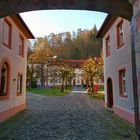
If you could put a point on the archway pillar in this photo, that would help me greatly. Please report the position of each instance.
(135, 40)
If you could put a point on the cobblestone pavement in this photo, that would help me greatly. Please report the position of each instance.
(73, 117)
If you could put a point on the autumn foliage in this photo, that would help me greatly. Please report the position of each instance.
(92, 69)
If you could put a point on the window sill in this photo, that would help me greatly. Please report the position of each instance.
(124, 96)
(7, 46)
(19, 94)
(108, 55)
(120, 46)
(4, 98)
(22, 56)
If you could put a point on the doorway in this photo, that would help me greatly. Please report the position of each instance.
(109, 93)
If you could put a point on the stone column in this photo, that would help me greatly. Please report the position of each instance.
(135, 40)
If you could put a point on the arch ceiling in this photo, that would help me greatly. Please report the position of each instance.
(115, 7)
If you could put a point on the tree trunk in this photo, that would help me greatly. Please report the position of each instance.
(30, 82)
(92, 90)
(42, 75)
(31, 76)
(87, 84)
(66, 83)
(62, 87)
(70, 83)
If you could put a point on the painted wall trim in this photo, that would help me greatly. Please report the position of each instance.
(129, 116)
(11, 112)
(105, 104)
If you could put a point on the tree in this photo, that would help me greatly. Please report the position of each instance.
(30, 75)
(64, 71)
(100, 68)
(81, 44)
(92, 69)
(71, 75)
(53, 74)
(40, 59)
(30, 51)
(40, 56)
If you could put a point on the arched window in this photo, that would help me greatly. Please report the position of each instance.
(4, 79)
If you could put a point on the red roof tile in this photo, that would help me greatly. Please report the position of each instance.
(72, 63)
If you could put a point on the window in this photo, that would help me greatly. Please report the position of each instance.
(108, 46)
(21, 46)
(120, 39)
(51, 81)
(122, 82)
(7, 33)
(78, 81)
(4, 79)
(19, 84)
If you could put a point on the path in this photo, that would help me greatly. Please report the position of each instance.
(78, 89)
(73, 117)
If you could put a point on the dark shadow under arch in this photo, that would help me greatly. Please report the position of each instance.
(114, 7)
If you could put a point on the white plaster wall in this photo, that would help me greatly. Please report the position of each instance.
(119, 58)
(59, 82)
(17, 65)
(78, 75)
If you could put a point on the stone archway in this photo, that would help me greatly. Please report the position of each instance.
(116, 7)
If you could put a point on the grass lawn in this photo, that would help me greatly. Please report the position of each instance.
(99, 95)
(55, 91)
(100, 88)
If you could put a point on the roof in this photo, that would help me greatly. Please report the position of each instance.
(22, 26)
(72, 63)
(108, 22)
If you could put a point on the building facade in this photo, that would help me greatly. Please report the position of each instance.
(118, 66)
(54, 80)
(51, 77)
(14, 35)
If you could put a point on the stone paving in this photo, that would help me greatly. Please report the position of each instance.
(72, 117)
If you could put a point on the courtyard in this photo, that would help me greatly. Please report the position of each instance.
(75, 116)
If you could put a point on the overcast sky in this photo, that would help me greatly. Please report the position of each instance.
(44, 22)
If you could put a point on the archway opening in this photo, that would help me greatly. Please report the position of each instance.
(125, 10)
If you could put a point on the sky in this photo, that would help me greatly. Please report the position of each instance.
(44, 22)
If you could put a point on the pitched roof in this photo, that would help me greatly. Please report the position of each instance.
(108, 22)
(72, 63)
(22, 26)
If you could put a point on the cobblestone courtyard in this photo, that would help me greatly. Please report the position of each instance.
(73, 117)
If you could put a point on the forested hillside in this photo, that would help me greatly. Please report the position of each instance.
(77, 45)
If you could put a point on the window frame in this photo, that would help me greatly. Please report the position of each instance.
(107, 43)
(119, 44)
(121, 92)
(20, 93)
(22, 51)
(9, 34)
(6, 62)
